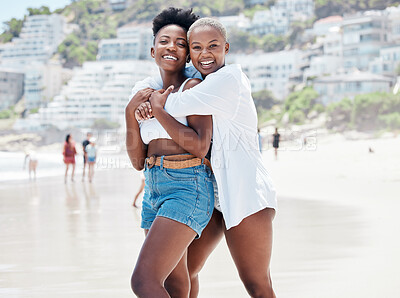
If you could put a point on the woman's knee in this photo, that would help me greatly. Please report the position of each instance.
(194, 267)
(259, 288)
(177, 287)
(140, 282)
(136, 283)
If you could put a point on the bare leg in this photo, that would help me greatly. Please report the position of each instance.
(200, 249)
(66, 172)
(90, 172)
(161, 252)
(34, 166)
(73, 172)
(250, 244)
(84, 168)
(178, 283)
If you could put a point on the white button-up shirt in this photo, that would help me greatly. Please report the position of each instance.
(244, 185)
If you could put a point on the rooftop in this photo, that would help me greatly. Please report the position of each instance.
(331, 19)
(356, 76)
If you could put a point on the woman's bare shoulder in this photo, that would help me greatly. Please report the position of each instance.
(191, 83)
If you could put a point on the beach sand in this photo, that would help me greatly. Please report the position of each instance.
(335, 234)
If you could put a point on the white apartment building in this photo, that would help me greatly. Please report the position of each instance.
(269, 70)
(11, 87)
(250, 3)
(364, 34)
(133, 42)
(323, 26)
(43, 82)
(30, 52)
(274, 21)
(118, 5)
(335, 88)
(4, 47)
(322, 65)
(98, 90)
(38, 40)
(332, 42)
(239, 22)
(394, 24)
(387, 63)
(297, 9)
(278, 18)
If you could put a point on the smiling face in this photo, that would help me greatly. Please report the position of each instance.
(170, 48)
(207, 49)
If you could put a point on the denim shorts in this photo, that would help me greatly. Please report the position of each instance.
(184, 195)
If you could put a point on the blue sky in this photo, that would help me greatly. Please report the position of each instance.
(17, 8)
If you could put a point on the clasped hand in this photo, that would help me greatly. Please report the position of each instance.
(156, 102)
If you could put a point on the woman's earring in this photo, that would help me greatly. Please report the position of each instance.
(188, 59)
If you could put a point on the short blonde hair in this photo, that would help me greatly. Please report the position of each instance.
(204, 22)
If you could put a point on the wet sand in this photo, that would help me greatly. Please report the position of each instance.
(336, 232)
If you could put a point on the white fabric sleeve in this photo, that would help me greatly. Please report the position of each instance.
(156, 82)
(148, 82)
(218, 94)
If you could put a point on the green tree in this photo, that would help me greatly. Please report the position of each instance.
(264, 99)
(101, 124)
(299, 103)
(39, 11)
(12, 29)
(339, 113)
(5, 114)
(375, 111)
(391, 121)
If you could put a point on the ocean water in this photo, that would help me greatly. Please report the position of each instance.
(51, 164)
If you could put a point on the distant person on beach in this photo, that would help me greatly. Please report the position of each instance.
(247, 199)
(84, 144)
(32, 164)
(275, 143)
(69, 153)
(141, 188)
(91, 153)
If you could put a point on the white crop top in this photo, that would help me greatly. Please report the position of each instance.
(151, 129)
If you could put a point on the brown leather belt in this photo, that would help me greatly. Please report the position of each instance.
(179, 161)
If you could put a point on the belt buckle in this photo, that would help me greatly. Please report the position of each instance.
(151, 161)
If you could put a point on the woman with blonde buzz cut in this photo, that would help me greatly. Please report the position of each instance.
(247, 198)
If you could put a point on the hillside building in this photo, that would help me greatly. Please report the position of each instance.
(269, 71)
(336, 87)
(38, 41)
(11, 87)
(98, 90)
(133, 42)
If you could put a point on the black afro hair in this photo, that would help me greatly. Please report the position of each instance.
(174, 16)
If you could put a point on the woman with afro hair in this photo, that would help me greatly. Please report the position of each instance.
(179, 193)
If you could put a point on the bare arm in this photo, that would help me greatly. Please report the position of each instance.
(196, 138)
(137, 150)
